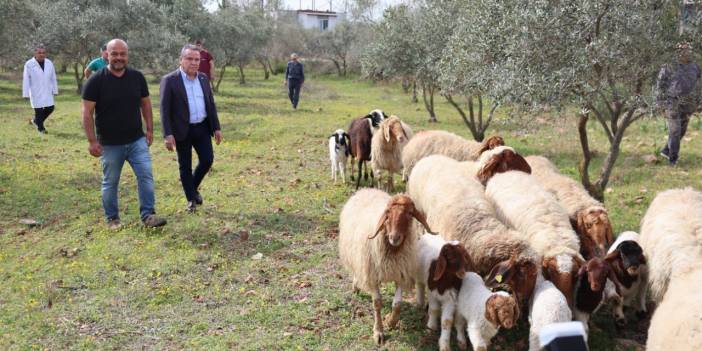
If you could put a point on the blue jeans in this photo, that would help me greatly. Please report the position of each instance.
(112, 160)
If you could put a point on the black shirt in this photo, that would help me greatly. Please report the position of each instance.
(117, 105)
(41, 64)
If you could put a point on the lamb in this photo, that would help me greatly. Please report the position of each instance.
(377, 241)
(480, 313)
(439, 142)
(441, 266)
(361, 132)
(456, 207)
(588, 216)
(338, 152)
(629, 264)
(386, 148)
(547, 307)
(589, 289)
(522, 203)
(671, 236)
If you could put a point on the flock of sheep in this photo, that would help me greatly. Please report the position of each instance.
(494, 237)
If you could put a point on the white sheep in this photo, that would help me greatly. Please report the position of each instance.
(522, 203)
(377, 241)
(440, 142)
(480, 313)
(456, 207)
(441, 266)
(588, 216)
(338, 153)
(629, 264)
(548, 306)
(671, 238)
(386, 149)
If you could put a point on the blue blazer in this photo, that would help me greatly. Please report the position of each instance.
(175, 115)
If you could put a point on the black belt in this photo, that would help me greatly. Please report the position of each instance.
(199, 123)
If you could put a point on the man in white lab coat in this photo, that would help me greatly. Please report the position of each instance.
(39, 85)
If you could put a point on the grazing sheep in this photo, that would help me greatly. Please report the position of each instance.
(377, 242)
(522, 203)
(588, 216)
(480, 313)
(629, 264)
(456, 207)
(547, 307)
(441, 266)
(589, 289)
(671, 238)
(361, 132)
(386, 148)
(499, 160)
(439, 142)
(338, 152)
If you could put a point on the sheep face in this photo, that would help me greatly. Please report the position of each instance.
(393, 131)
(595, 230)
(502, 310)
(597, 271)
(396, 221)
(491, 143)
(631, 256)
(518, 275)
(502, 160)
(562, 271)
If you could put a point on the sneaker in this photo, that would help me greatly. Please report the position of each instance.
(198, 198)
(665, 155)
(152, 221)
(191, 206)
(114, 224)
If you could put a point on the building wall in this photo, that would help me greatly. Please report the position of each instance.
(313, 20)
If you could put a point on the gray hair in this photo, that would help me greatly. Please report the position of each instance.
(188, 47)
(293, 55)
(39, 47)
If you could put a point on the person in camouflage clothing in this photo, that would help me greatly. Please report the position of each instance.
(677, 92)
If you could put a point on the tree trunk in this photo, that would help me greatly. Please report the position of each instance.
(414, 92)
(219, 78)
(343, 64)
(584, 165)
(79, 78)
(429, 101)
(470, 123)
(242, 77)
(405, 85)
(266, 75)
(270, 67)
(338, 67)
(64, 68)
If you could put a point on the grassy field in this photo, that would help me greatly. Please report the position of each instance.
(195, 284)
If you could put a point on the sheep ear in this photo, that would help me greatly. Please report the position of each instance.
(491, 143)
(491, 311)
(580, 223)
(381, 225)
(612, 256)
(609, 236)
(386, 132)
(517, 162)
(489, 169)
(419, 216)
(440, 268)
(500, 273)
(642, 259)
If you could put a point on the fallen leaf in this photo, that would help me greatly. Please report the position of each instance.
(609, 190)
(248, 278)
(29, 222)
(649, 159)
(244, 235)
(198, 298)
(287, 334)
(257, 256)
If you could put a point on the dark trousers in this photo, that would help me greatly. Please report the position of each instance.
(41, 114)
(200, 140)
(294, 86)
(677, 119)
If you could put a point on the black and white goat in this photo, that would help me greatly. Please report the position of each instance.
(339, 150)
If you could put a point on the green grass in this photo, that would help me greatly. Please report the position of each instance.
(72, 284)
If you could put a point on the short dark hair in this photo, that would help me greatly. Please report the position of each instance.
(198, 42)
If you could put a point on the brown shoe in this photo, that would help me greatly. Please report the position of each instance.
(152, 221)
(114, 224)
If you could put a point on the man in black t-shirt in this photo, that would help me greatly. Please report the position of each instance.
(119, 97)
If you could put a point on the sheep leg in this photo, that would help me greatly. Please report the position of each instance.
(420, 291)
(460, 326)
(353, 169)
(476, 339)
(378, 321)
(434, 312)
(365, 171)
(342, 170)
(391, 184)
(358, 181)
(447, 313)
(642, 312)
(393, 317)
(618, 310)
(333, 170)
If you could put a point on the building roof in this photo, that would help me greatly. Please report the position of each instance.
(317, 12)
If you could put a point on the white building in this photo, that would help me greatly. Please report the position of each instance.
(322, 20)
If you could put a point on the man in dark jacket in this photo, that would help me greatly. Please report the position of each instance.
(189, 119)
(294, 78)
(677, 91)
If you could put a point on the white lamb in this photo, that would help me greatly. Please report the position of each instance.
(338, 153)
(548, 306)
(377, 241)
(671, 237)
(480, 313)
(521, 202)
(386, 149)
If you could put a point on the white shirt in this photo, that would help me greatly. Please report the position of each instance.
(39, 85)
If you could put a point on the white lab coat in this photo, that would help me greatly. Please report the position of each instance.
(39, 85)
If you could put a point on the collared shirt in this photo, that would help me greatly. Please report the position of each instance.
(196, 98)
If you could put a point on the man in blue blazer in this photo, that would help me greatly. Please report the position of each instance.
(189, 119)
